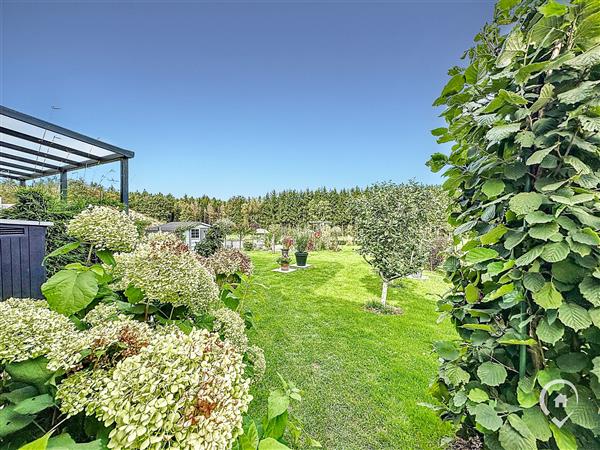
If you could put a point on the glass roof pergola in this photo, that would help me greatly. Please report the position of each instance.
(31, 148)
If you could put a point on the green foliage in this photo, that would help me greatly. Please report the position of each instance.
(279, 429)
(213, 240)
(524, 172)
(302, 240)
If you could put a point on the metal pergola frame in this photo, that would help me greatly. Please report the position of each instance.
(26, 153)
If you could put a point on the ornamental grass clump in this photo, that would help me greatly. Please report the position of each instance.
(104, 228)
(180, 391)
(167, 272)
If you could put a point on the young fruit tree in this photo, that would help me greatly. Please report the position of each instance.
(524, 170)
(392, 229)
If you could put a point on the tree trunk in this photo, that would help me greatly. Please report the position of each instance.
(384, 290)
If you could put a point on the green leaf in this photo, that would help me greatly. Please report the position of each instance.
(491, 373)
(552, 8)
(65, 442)
(63, 250)
(134, 295)
(525, 138)
(513, 45)
(38, 444)
(455, 375)
(31, 371)
(249, 440)
(11, 421)
(543, 231)
(526, 202)
(530, 256)
(35, 404)
(574, 316)
(572, 362)
(555, 252)
(587, 236)
(272, 444)
(514, 238)
(533, 281)
(586, 59)
(527, 395)
(577, 164)
(454, 85)
(567, 272)
(590, 289)
(493, 188)
(106, 257)
(277, 404)
(564, 438)
(472, 294)
(512, 97)
(546, 94)
(487, 417)
(515, 435)
(437, 162)
(501, 132)
(582, 92)
(69, 291)
(478, 395)
(550, 333)
(494, 235)
(16, 395)
(536, 421)
(480, 254)
(548, 297)
(447, 350)
(537, 157)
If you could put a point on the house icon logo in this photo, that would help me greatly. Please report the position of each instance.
(560, 400)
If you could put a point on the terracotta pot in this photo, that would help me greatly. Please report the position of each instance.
(285, 267)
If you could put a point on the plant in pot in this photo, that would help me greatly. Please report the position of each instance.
(302, 241)
(286, 244)
(284, 263)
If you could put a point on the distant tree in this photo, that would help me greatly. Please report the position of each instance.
(391, 230)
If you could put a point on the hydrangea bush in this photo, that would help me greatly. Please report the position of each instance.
(228, 261)
(105, 228)
(167, 272)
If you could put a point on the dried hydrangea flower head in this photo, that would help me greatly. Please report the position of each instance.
(105, 228)
(167, 272)
(231, 326)
(228, 261)
(180, 391)
(29, 329)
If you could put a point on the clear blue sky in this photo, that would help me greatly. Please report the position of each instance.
(241, 97)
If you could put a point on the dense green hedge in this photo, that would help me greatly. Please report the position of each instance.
(524, 170)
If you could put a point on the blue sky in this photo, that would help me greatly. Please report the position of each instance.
(241, 97)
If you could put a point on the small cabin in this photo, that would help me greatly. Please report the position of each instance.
(192, 232)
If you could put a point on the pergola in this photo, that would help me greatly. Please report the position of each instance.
(31, 148)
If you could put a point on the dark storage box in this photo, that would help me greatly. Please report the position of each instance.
(22, 249)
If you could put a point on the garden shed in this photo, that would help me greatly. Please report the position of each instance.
(192, 232)
(32, 148)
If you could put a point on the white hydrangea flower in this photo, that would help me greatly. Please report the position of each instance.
(164, 268)
(105, 228)
(232, 327)
(104, 312)
(28, 329)
(180, 391)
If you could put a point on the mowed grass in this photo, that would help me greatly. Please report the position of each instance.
(362, 374)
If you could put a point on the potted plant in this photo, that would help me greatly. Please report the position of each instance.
(284, 263)
(301, 243)
(286, 244)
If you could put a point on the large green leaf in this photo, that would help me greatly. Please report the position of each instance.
(493, 188)
(35, 404)
(494, 235)
(31, 371)
(526, 202)
(543, 231)
(552, 8)
(277, 403)
(447, 350)
(564, 438)
(480, 254)
(590, 289)
(249, 440)
(555, 252)
(487, 417)
(69, 291)
(529, 256)
(545, 96)
(492, 374)
(536, 421)
(11, 421)
(574, 316)
(38, 444)
(548, 297)
(271, 444)
(550, 333)
(501, 132)
(515, 435)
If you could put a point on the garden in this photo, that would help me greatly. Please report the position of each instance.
(395, 316)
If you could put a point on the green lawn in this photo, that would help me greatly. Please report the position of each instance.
(362, 374)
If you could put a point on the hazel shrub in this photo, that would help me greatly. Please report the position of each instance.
(105, 228)
(167, 272)
(180, 391)
(228, 262)
(232, 327)
(28, 329)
